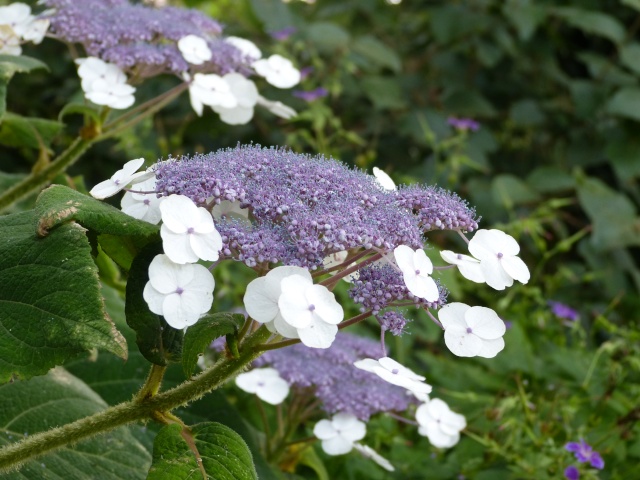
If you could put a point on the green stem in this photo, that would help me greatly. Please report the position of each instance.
(38, 179)
(153, 383)
(134, 410)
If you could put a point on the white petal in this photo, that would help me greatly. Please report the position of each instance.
(483, 244)
(462, 344)
(261, 306)
(105, 189)
(318, 335)
(424, 287)
(166, 276)
(247, 47)
(248, 382)
(491, 348)
(324, 430)
(485, 323)
(177, 246)
(422, 262)
(367, 364)
(326, 306)
(383, 179)
(494, 274)
(337, 446)
(293, 304)
(283, 328)
(453, 314)
(235, 116)
(516, 268)
(179, 213)
(440, 439)
(274, 391)
(392, 366)
(369, 452)
(153, 298)
(178, 313)
(404, 258)
(206, 246)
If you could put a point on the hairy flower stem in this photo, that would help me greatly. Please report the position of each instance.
(38, 179)
(138, 409)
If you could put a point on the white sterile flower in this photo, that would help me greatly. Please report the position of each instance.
(187, 231)
(340, 433)
(9, 41)
(180, 293)
(338, 258)
(35, 30)
(472, 331)
(261, 299)
(266, 383)
(246, 94)
(416, 269)
(383, 179)
(277, 108)
(497, 254)
(368, 452)
(468, 266)
(439, 424)
(212, 90)
(115, 95)
(229, 209)
(278, 71)
(194, 49)
(247, 47)
(143, 206)
(91, 69)
(311, 309)
(120, 179)
(391, 371)
(17, 16)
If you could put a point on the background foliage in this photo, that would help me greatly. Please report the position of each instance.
(556, 163)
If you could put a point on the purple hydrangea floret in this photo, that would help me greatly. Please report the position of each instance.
(336, 381)
(305, 208)
(584, 453)
(394, 322)
(141, 39)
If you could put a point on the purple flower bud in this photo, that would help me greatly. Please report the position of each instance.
(463, 123)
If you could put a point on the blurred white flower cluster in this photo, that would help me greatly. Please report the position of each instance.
(17, 26)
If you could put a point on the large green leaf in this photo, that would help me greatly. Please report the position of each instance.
(51, 309)
(593, 22)
(614, 217)
(199, 336)
(59, 204)
(275, 14)
(19, 131)
(626, 103)
(384, 92)
(157, 341)
(377, 53)
(223, 453)
(56, 399)
(327, 36)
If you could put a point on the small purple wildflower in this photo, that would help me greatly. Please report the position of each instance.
(563, 311)
(305, 72)
(463, 123)
(584, 453)
(311, 95)
(283, 34)
(571, 473)
(336, 382)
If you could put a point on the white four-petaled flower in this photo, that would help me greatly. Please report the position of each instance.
(497, 253)
(211, 90)
(468, 266)
(391, 371)
(188, 232)
(194, 49)
(246, 95)
(104, 83)
(278, 71)
(439, 424)
(266, 383)
(180, 293)
(472, 331)
(143, 206)
(416, 269)
(247, 47)
(339, 434)
(120, 179)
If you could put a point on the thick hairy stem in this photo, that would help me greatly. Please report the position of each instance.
(37, 180)
(132, 411)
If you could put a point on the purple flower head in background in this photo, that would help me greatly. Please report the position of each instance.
(305, 208)
(571, 473)
(463, 123)
(563, 311)
(584, 453)
(282, 35)
(336, 381)
(305, 72)
(142, 39)
(311, 95)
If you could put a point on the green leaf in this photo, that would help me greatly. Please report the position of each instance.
(19, 131)
(524, 16)
(626, 103)
(385, 93)
(275, 14)
(509, 190)
(631, 3)
(81, 109)
(59, 204)
(51, 309)
(199, 336)
(328, 37)
(469, 103)
(604, 71)
(615, 222)
(377, 53)
(55, 399)
(624, 153)
(526, 112)
(550, 180)
(596, 23)
(223, 453)
(9, 65)
(158, 342)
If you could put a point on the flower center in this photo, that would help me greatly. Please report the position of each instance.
(395, 371)
(190, 230)
(417, 272)
(469, 330)
(179, 290)
(146, 201)
(459, 256)
(500, 255)
(312, 307)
